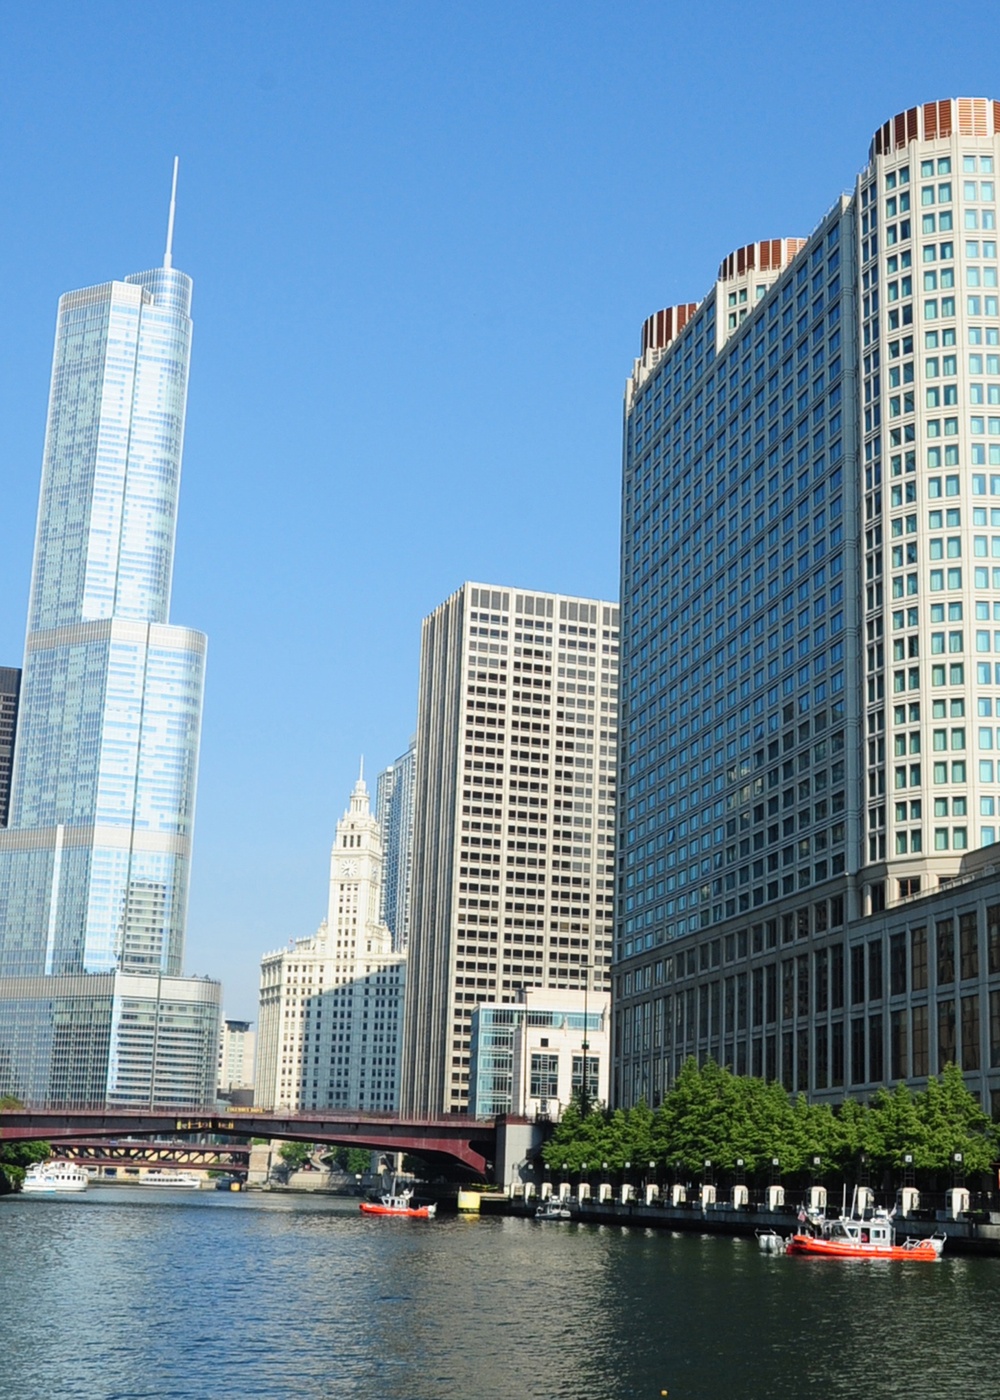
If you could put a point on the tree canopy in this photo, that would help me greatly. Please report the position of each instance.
(712, 1115)
(16, 1157)
(295, 1154)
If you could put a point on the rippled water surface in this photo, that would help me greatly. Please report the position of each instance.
(220, 1296)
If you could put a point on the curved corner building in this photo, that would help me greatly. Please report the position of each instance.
(810, 760)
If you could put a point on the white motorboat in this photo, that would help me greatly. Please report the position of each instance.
(553, 1209)
(54, 1178)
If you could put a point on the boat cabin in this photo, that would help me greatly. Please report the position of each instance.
(876, 1234)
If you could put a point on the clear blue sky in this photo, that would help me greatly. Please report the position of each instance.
(423, 239)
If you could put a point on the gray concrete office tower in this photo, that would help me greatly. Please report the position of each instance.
(94, 862)
(395, 792)
(810, 786)
(514, 819)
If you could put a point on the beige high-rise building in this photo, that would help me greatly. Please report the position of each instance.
(237, 1047)
(514, 826)
(331, 1005)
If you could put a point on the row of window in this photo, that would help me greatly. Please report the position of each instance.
(941, 165)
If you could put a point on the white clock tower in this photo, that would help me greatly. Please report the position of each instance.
(353, 926)
(331, 1006)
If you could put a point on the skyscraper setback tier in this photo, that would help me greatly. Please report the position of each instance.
(810, 653)
(94, 864)
(513, 820)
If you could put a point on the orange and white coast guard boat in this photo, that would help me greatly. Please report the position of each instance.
(398, 1203)
(849, 1238)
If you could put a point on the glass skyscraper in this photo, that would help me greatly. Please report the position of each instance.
(94, 864)
(810, 792)
(394, 805)
(94, 861)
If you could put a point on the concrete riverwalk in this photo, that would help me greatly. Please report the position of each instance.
(964, 1236)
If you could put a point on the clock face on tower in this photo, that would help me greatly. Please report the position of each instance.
(348, 869)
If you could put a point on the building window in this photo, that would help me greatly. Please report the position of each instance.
(945, 936)
(970, 1032)
(969, 946)
(993, 938)
(920, 1046)
(593, 1080)
(544, 1083)
(918, 958)
(946, 1033)
(898, 1067)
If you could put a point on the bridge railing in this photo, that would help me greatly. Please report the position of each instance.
(461, 1121)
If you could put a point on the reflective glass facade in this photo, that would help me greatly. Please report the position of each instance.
(394, 802)
(807, 613)
(129, 1040)
(94, 864)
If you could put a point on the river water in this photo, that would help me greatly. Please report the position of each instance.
(212, 1296)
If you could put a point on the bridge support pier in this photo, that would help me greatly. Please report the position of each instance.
(518, 1142)
(260, 1164)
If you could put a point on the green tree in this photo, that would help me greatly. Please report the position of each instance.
(613, 1145)
(954, 1122)
(16, 1157)
(896, 1129)
(711, 1114)
(355, 1160)
(578, 1138)
(851, 1134)
(640, 1133)
(295, 1154)
(808, 1133)
(765, 1126)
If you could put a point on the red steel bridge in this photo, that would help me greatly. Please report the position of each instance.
(467, 1145)
(124, 1154)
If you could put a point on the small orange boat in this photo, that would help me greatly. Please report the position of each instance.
(848, 1238)
(399, 1204)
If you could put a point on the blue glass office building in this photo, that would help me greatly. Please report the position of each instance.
(808, 784)
(94, 862)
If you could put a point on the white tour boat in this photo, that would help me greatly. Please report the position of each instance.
(54, 1177)
(178, 1181)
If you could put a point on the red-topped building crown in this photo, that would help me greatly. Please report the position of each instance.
(664, 326)
(766, 256)
(953, 116)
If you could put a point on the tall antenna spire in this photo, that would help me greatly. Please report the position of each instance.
(168, 256)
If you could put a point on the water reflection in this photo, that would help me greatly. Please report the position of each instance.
(236, 1296)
